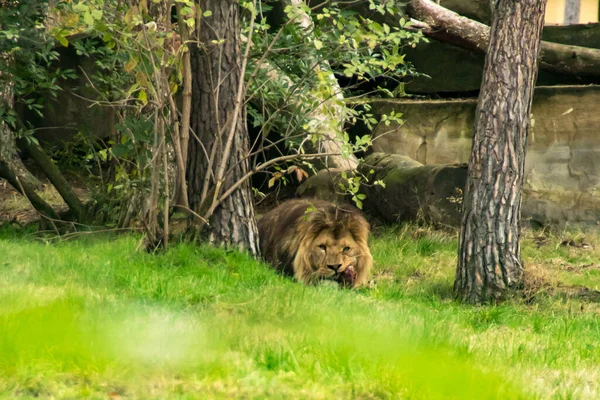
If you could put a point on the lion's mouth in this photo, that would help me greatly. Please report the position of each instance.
(347, 277)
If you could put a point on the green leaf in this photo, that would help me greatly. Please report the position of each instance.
(207, 13)
(143, 96)
(318, 44)
(120, 150)
(88, 19)
(63, 40)
(97, 15)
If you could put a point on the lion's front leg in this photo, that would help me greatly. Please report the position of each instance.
(363, 270)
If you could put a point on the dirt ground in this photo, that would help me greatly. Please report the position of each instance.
(14, 208)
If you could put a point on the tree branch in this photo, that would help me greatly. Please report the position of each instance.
(447, 26)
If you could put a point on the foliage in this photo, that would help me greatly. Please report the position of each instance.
(126, 54)
(138, 52)
(26, 60)
(94, 318)
(287, 67)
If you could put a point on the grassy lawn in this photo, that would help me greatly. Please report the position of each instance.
(93, 318)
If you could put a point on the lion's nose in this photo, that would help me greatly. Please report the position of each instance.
(334, 267)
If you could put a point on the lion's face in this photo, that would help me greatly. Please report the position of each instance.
(330, 256)
(315, 240)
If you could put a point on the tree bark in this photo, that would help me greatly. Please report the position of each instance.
(219, 120)
(572, 8)
(489, 263)
(442, 24)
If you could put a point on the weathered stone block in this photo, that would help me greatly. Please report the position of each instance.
(562, 167)
(324, 185)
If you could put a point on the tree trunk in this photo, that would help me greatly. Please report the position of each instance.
(489, 263)
(181, 132)
(64, 188)
(442, 24)
(27, 190)
(8, 148)
(572, 8)
(9, 156)
(220, 157)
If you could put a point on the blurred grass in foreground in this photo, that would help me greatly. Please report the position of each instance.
(93, 318)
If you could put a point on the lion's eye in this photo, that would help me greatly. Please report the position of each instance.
(323, 247)
(346, 249)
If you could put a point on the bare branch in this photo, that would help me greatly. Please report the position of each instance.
(447, 26)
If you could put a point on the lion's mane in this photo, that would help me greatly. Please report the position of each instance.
(287, 234)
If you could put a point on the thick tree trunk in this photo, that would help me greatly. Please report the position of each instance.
(572, 8)
(8, 148)
(219, 158)
(489, 261)
(442, 24)
(8, 155)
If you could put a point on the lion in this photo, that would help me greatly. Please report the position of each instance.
(316, 240)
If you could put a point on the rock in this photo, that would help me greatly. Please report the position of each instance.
(413, 192)
(324, 185)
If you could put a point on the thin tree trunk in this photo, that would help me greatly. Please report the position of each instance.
(219, 120)
(181, 138)
(57, 179)
(442, 24)
(187, 90)
(179, 131)
(572, 8)
(13, 163)
(329, 117)
(154, 234)
(27, 190)
(489, 261)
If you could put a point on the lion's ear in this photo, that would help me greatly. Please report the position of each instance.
(360, 230)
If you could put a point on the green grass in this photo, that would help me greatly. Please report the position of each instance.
(93, 318)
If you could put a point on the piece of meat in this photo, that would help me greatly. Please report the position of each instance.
(347, 277)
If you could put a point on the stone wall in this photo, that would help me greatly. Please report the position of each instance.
(562, 182)
(76, 107)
